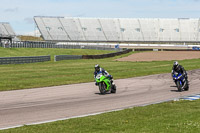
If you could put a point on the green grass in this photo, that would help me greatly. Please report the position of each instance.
(169, 117)
(13, 52)
(10, 52)
(23, 76)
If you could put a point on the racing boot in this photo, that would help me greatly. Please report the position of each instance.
(112, 82)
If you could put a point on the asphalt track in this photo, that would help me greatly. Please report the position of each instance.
(23, 107)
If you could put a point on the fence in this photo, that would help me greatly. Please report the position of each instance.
(22, 60)
(31, 44)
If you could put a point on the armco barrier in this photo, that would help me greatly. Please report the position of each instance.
(67, 57)
(106, 55)
(22, 60)
(72, 57)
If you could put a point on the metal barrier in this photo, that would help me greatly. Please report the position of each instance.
(22, 60)
(106, 55)
(74, 57)
(67, 57)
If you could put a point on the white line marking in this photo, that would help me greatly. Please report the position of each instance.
(11, 127)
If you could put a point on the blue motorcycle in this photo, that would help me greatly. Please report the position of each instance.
(181, 82)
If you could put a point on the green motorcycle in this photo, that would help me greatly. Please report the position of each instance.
(104, 83)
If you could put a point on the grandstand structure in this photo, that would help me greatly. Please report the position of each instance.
(70, 29)
(6, 32)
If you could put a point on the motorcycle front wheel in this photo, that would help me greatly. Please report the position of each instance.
(179, 86)
(102, 88)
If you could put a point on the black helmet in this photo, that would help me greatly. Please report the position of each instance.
(176, 64)
(97, 67)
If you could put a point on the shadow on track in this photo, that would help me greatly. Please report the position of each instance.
(174, 91)
(108, 93)
(174, 86)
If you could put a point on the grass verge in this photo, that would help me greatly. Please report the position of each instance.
(14, 52)
(169, 117)
(23, 76)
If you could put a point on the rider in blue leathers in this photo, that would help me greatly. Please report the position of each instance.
(104, 72)
(179, 69)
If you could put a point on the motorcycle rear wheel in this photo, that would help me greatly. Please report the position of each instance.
(113, 89)
(187, 86)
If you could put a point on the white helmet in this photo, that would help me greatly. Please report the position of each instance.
(97, 67)
(176, 64)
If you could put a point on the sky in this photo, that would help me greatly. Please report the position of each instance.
(20, 13)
